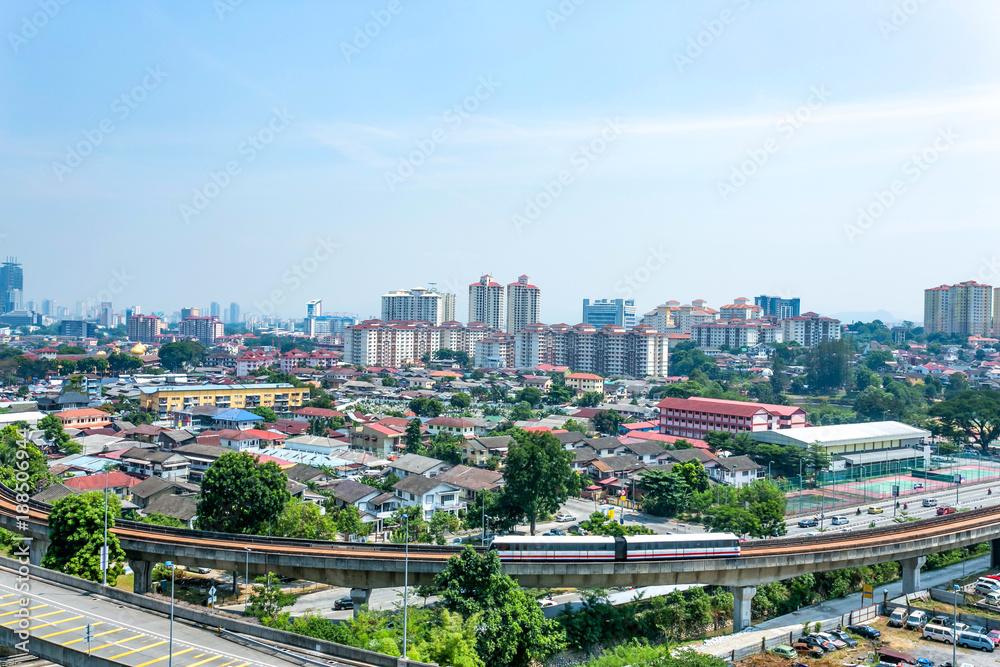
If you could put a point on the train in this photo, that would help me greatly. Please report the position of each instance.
(629, 548)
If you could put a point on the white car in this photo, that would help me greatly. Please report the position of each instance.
(840, 521)
(565, 518)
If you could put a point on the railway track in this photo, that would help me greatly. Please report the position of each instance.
(905, 532)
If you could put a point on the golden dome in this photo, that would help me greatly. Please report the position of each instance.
(138, 349)
(102, 353)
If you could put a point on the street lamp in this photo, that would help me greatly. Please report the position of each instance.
(170, 659)
(954, 657)
(105, 556)
(246, 578)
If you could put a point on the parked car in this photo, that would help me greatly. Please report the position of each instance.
(555, 532)
(784, 651)
(897, 617)
(866, 631)
(941, 620)
(987, 586)
(565, 518)
(808, 523)
(343, 603)
(916, 620)
(946, 510)
(995, 636)
(929, 502)
(815, 640)
(977, 630)
(844, 637)
(576, 530)
(875, 510)
(833, 639)
(840, 521)
(925, 662)
(939, 633)
(805, 649)
(974, 640)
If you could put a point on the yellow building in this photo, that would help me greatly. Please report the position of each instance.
(280, 397)
(583, 383)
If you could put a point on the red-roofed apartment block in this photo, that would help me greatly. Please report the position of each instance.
(694, 417)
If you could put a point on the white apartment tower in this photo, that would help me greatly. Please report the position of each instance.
(420, 304)
(486, 302)
(523, 304)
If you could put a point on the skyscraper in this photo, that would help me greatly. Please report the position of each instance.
(234, 313)
(418, 304)
(314, 308)
(524, 303)
(215, 310)
(609, 311)
(11, 286)
(107, 315)
(965, 309)
(486, 302)
(777, 307)
(190, 312)
(49, 307)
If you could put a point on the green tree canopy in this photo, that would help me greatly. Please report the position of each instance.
(76, 531)
(173, 356)
(530, 395)
(976, 414)
(536, 475)
(461, 400)
(521, 412)
(240, 495)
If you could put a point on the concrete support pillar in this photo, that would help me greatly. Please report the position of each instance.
(742, 597)
(911, 574)
(995, 554)
(142, 576)
(37, 550)
(359, 596)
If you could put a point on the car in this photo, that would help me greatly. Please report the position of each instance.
(977, 630)
(833, 639)
(576, 530)
(875, 510)
(918, 486)
(929, 502)
(946, 510)
(995, 636)
(201, 570)
(940, 620)
(565, 517)
(556, 531)
(939, 459)
(844, 637)
(925, 662)
(343, 603)
(815, 639)
(784, 651)
(804, 649)
(808, 523)
(840, 521)
(866, 631)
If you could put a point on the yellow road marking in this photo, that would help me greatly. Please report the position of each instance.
(205, 661)
(176, 653)
(62, 632)
(136, 650)
(41, 606)
(98, 648)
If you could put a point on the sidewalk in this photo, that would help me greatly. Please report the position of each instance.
(832, 608)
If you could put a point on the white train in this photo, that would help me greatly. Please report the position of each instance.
(632, 547)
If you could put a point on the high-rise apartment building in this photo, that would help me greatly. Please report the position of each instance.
(378, 343)
(190, 312)
(608, 350)
(609, 311)
(420, 304)
(132, 310)
(314, 308)
(965, 309)
(11, 286)
(524, 303)
(740, 309)
(215, 310)
(486, 302)
(234, 313)
(810, 329)
(774, 306)
(144, 328)
(205, 329)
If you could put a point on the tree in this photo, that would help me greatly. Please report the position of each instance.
(413, 434)
(729, 519)
(591, 399)
(349, 522)
(559, 393)
(174, 356)
(530, 395)
(445, 449)
(19, 457)
(536, 475)
(694, 474)
(766, 503)
(449, 640)
(817, 458)
(55, 434)
(461, 400)
(266, 414)
(426, 407)
(957, 383)
(513, 630)
(522, 412)
(608, 422)
(572, 425)
(76, 531)
(828, 365)
(266, 597)
(304, 520)
(976, 414)
(666, 492)
(876, 360)
(443, 522)
(240, 495)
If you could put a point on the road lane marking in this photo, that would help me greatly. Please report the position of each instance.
(176, 653)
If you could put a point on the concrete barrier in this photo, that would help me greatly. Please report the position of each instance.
(216, 620)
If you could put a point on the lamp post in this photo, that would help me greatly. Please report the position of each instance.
(170, 658)
(954, 629)
(406, 577)
(246, 578)
(800, 485)
(105, 556)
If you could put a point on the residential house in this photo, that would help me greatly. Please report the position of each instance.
(170, 440)
(240, 440)
(348, 492)
(477, 451)
(155, 463)
(184, 508)
(152, 488)
(430, 495)
(304, 474)
(116, 481)
(235, 419)
(451, 426)
(378, 438)
(617, 467)
(470, 481)
(416, 464)
(583, 383)
(736, 471)
(646, 451)
(83, 418)
(200, 457)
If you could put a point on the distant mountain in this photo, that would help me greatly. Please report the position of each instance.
(861, 316)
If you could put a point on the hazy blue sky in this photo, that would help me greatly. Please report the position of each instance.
(368, 164)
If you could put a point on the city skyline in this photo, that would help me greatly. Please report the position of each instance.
(646, 142)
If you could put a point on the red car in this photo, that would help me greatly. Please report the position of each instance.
(946, 510)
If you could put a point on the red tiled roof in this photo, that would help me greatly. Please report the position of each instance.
(82, 412)
(116, 479)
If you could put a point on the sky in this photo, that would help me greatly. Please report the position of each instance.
(171, 154)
